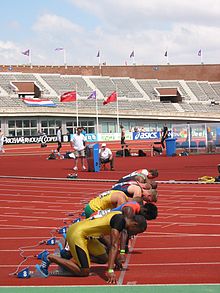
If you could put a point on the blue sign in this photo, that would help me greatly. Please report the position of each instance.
(146, 135)
(91, 137)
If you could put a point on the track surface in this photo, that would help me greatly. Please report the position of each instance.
(181, 247)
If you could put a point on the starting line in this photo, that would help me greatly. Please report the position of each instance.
(104, 180)
(163, 288)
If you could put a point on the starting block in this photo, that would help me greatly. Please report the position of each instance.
(76, 220)
(39, 256)
(62, 230)
(51, 241)
(24, 274)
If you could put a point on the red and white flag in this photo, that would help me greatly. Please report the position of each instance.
(68, 97)
(111, 98)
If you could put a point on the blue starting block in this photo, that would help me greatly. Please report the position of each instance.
(51, 241)
(24, 274)
(76, 220)
(40, 255)
(62, 230)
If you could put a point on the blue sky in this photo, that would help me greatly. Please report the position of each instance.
(115, 27)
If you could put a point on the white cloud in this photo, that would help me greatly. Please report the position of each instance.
(54, 23)
(148, 27)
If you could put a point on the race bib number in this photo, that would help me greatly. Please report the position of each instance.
(103, 194)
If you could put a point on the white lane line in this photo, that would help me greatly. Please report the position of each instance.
(137, 265)
(176, 264)
(125, 266)
(34, 217)
(178, 248)
(162, 234)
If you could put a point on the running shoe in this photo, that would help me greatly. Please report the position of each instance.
(43, 268)
(84, 168)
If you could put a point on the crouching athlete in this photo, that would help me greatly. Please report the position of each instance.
(106, 200)
(137, 191)
(82, 238)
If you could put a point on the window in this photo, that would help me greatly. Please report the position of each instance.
(22, 127)
(50, 126)
(88, 125)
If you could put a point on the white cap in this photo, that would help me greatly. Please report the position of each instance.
(103, 144)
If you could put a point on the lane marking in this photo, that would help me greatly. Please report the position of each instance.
(125, 266)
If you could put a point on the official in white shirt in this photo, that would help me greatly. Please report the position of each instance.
(78, 144)
(105, 155)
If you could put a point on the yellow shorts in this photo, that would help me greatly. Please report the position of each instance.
(89, 246)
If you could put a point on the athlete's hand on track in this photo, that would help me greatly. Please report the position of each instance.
(119, 262)
(111, 278)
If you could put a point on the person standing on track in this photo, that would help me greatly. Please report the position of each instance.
(59, 140)
(83, 243)
(78, 144)
(164, 135)
(2, 150)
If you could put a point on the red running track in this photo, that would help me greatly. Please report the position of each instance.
(181, 247)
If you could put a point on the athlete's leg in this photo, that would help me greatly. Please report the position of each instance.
(69, 265)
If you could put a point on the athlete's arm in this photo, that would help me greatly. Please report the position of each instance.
(117, 224)
(135, 190)
(128, 212)
(118, 198)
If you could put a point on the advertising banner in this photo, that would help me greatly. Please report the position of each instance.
(43, 139)
(146, 135)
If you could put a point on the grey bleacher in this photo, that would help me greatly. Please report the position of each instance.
(125, 86)
(198, 107)
(11, 102)
(197, 90)
(5, 80)
(209, 91)
(216, 87)
(186, 107)
(77, 82)
(105, 85)
(56, 83)
(177, 84)
(149, 87)
(165, 107)
(31, 77)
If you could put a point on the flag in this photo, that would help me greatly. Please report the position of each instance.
(166, 53)
(132, 54)
(68, 97)
(111, 98)
(38, 102)
(92, 96)
(98, 54)
(200, 52)
(59, 49)
(26, 53)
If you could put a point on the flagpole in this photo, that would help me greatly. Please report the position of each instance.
(117, 109)
(201, 59)
(97, 118)
(77, 118)
(100, 66)
(29, 58)
(64, 57)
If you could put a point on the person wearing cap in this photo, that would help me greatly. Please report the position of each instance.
(105, 155)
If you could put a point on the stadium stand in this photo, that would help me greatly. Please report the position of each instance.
(134, 95)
